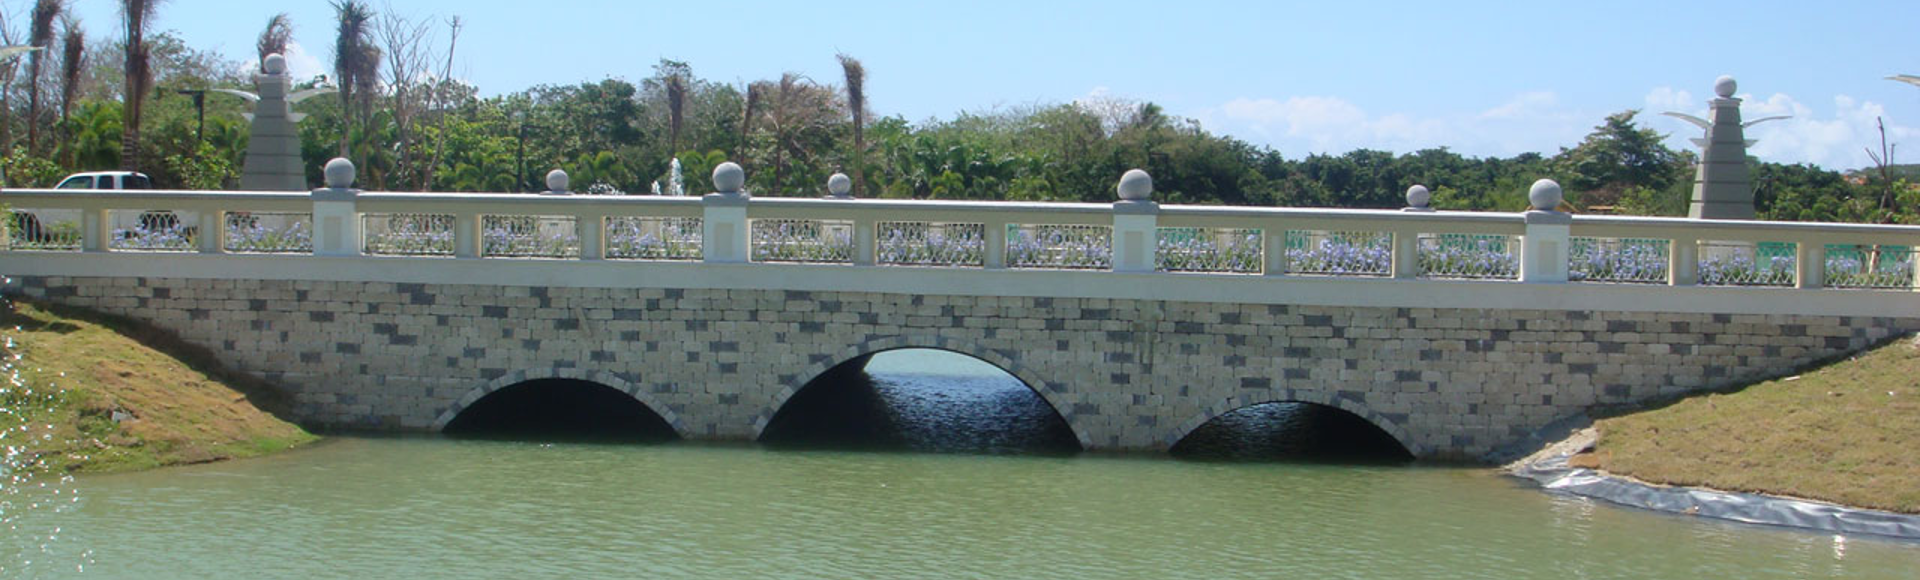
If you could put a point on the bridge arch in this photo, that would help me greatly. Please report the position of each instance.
(1226, 405)
(1033, 381)
(607, 379)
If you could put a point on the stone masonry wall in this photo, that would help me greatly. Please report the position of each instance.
(1126, 374)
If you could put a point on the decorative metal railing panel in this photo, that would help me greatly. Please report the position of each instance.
(408, 234)
(943, 244)
(44, 230)
(269, 232)
(802, 240)
(1871, 266)
(1618, 260)
(529, 236)
(1211, 250)
(1060, 246)
(654, 238)
(152, 231)
(1334, 253)
(1747, 264)
(1469, 256)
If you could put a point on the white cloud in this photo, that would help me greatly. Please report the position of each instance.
(1532, 121)
(1835, 138)
(302, 65)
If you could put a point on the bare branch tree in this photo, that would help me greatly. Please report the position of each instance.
(755, 91)
(407, 47)
(1883, 164)
(442, 97)
(676, 103)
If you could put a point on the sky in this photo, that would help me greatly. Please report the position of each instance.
(1479, 78)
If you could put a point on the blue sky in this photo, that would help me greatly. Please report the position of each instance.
(1482, 78)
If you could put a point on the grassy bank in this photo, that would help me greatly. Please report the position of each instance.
(97, 393)
(1845, 433)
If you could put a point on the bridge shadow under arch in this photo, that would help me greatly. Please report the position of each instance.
(1302, 427)
(908, 405)
(558, 405)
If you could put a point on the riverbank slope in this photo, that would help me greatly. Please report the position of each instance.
(90, 393)
(1844, 433)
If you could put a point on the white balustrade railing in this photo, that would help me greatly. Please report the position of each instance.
(1131, 236)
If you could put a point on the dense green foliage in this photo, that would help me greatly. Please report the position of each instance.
(792, 132)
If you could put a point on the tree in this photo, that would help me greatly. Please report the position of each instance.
(1618, 155)
(856, 74)
(41, 35)
(135, 14)
(355, 65)
(275, 37)
(73, 58)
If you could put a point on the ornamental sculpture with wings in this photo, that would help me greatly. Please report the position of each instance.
(273, 153)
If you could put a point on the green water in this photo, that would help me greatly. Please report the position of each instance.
(442, 508)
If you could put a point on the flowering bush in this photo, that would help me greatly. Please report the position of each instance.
(1060, 246)
(1468, 256)
(921, 244)
(246, 233)
(1209, 250)
(530, 237)
(409, 235)
(1622, 261)
(1340, 253)
(802, 241)
(654, 238)
(160, 237)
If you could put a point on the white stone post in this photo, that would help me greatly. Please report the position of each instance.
(996, 251)
(467, 234)
(1406, 241)
(1274, 240)
(1135, 224)
(723, 233)
(1683, 262)
(213, 232)
(1810, 265)
(840, 187)
(336, 223)
(96, 230)
(1543, 250)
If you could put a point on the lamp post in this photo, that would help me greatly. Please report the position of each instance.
(200, 111)
(520, 152)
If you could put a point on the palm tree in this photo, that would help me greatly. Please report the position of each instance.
(355, 62)
(73, 59)
(856, 102)
(276, 36)
(676, 102)
(40, 34)
(135, 14)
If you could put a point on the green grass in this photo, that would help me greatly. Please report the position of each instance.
(1846, 433)
(78, 369)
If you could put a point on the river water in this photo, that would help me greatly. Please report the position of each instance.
(436, 507)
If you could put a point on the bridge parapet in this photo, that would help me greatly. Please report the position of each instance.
(977, 245)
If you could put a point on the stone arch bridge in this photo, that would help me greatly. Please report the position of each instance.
(1136, 322)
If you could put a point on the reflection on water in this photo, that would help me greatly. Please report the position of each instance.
(432, 508)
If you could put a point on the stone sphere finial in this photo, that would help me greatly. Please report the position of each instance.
(557, 181)
(1418, 196)
(1545, 195)
(729, 177)
(274, 64)
(339, 173)
(1725, 86)
(1135, 185)
(839, 185)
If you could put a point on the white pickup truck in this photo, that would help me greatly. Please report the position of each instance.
(41, 225)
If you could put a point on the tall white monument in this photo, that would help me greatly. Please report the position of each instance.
(273, 153)
(1722, 189)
